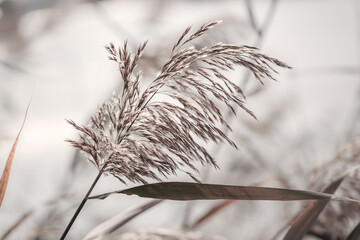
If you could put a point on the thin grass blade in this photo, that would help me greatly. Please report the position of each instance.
(196, 191)
(308, 216)
(220, 207)
(6, 172)
(119, 220)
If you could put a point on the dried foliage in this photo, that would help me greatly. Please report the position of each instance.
(302, 223)
(7, 169)
(339, 218)
(196, 191)
(131, 136)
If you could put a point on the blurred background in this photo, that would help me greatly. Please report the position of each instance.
(54, 51)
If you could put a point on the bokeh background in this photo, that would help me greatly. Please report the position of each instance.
(53, 52)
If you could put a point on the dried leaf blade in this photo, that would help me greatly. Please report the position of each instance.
(6, 172)
(308, 216)
(195, 191)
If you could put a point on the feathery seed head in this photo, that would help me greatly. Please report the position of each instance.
(132, 137)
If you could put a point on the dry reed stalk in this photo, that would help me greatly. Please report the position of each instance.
(133, 138)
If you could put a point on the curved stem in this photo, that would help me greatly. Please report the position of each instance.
(81, 205)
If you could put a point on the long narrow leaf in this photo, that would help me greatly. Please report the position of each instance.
(355, 233)
(196, 191)
(308, 216)
(119, 220)
(221, 206)
(6, 173)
